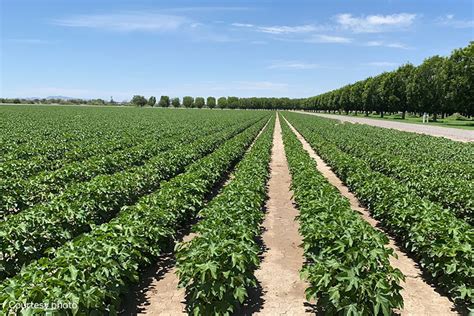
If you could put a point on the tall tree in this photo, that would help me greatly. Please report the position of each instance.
(164, 101)
(369, 95)
(232, 102)
(199, 102)
(222, 102)
(460, 80)
(175, 102)
(139, 100)
(151, 101)
(188, 102)
(429, 85)
(403, 77)
(211, 102)
(357, 90)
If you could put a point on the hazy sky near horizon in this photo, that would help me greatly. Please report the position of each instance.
(119, 48)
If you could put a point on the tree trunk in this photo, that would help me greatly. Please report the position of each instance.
(403, 115)
(366, 113)
(381, 114)
(435, 117)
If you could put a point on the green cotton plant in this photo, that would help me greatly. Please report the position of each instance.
(440, 242)
(216, 267)
(438, 169)
(216, 271)
(347, 265)
(18, 195)
(26, 235)
(97, 268)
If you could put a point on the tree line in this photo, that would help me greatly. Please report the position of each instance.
(439, 86)
(74, 101)
(220, 103)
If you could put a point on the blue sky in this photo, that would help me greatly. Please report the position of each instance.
(245, 48)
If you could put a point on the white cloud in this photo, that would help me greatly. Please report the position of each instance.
(381, 64)
(397, 45)
(385, 44)
(296, 65)
(375, 43)
(375, 23)
(328, 39)
(279, 29)
(242, 25)
(450, 20)
(139, 21)
(283, 29)
(207, 9)
(131, 21)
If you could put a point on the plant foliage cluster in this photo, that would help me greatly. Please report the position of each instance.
(441, 242)
(18, 194)
(435, 168)
(347, 261)
(95, 269)
(216, 267)
(26, 235)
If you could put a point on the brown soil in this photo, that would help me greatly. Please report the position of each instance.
(278, 275)
(163, 297)
(419, 297)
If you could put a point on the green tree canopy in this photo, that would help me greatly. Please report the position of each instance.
(222, 102)
(211, 102)
(199, 102)
(164, 101)
(139, 100)
(175, 102)
(152, 101)
(188, 102)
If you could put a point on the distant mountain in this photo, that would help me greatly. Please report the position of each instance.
(62, 97)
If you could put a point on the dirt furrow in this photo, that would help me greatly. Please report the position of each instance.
(278, 275)
(163, 297)
(420, 298)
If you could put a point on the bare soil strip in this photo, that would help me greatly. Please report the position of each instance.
(162, 295)
(419, 297)
(447, 132)
(278, 275)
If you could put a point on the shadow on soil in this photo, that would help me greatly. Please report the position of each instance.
(137, 301)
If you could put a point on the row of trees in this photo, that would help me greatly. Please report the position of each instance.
(439, 86)
(187, 102)
(222, 102)
(58, 101)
